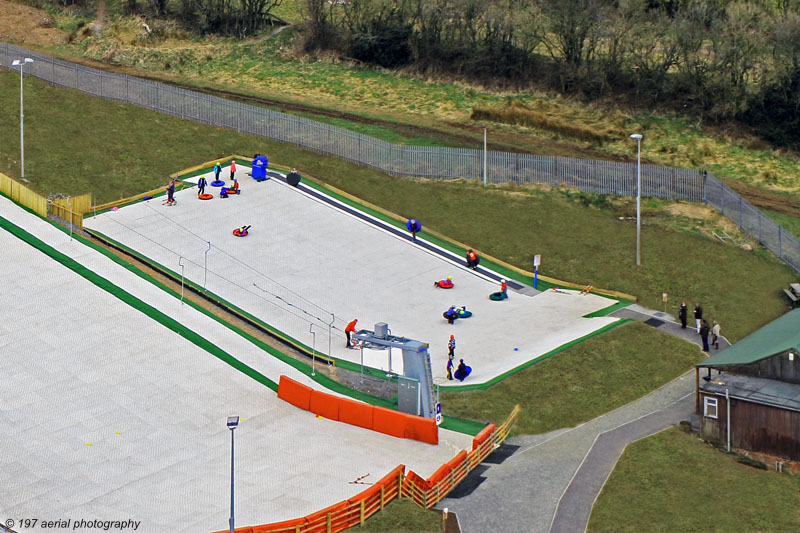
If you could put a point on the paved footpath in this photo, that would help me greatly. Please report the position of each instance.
(551, 481)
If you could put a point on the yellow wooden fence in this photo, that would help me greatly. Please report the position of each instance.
(396, 484)
(73, 207)
(23, 195)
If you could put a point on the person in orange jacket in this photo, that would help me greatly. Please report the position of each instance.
(472, 260)
(233, 168)
(351, 328)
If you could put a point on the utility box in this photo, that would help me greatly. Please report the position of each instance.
(381, 330)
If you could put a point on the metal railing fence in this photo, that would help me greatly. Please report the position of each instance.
(593, 176)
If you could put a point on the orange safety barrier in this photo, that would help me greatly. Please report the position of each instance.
(295, 393)
(286, 525)
(390, 422)
(484, 434)
(343, 515)
(378, 419)
(395, 484)
(421, 429)
(324, 404)
(355, 413)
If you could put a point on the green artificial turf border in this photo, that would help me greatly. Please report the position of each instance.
(136, 303)
(494, 381)
(451, 423)
(347, 365)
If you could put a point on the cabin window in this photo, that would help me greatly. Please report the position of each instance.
(710, 407)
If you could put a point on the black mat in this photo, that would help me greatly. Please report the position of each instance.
(654, 322)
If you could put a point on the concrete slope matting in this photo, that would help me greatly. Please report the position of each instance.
(107, 414)
(307, 262)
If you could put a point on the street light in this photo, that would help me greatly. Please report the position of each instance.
(233, 421)
(638, 138)
(21, 64)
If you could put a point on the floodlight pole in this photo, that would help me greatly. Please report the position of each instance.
(484, 155)
(21, 64)
(233, 421)
(638, 138)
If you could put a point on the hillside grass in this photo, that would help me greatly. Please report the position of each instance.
(626, 363)
(88, 145)
(273, 68)
(673, 481)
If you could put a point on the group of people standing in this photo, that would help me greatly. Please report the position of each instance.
(701, 325)
(463, 370)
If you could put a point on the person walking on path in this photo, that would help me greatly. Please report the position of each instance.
(715, 335)
(201, 186)
(351, 328)
(472, 260)
(682, 314)
(233, 168)
(451, 346)
(414, 227)
(698, 316)
(450, 368)
(704, 329)
(217, 170)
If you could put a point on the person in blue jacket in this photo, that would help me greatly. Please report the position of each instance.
(414, 227)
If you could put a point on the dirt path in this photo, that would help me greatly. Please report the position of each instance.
(100, 18)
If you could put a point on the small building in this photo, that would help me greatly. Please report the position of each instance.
(752, 401)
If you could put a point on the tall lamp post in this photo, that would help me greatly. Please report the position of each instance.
(233, 421)
(21, 64)
(638, 138)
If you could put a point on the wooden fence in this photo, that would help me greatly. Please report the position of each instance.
(22, 195)
(73, 208)
(396, 484)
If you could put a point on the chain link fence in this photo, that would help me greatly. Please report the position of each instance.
(593, 176)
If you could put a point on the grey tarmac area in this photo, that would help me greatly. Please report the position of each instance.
(550, 482)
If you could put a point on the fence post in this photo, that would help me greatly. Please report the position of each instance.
(363, 518)
(383, 497)
(399, 485)
(759, 229)
(705, 177)
(740, 216)
(328, 522)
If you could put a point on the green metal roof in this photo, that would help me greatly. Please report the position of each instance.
(776, 337)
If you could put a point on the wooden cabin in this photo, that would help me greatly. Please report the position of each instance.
(748, 395)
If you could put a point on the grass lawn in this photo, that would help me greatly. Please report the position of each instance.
(112, 150)
(674, 482)
(269, 68)
(626, 363)
(402, 516)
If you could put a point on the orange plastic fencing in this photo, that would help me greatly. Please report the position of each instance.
(355, 413)
(428, 492)
(343, 515)
(295, 393)
(424, 492)
(380, 419)
(324, 404)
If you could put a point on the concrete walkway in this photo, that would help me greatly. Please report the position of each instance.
(550, 482)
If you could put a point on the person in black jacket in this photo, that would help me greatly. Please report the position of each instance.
(698, 316)
(704, 329)
(682, 314)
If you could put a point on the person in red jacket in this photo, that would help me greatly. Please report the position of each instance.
(472, 260)
(351, 328)
(233, 168)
